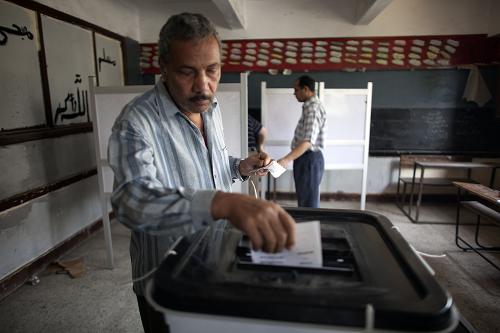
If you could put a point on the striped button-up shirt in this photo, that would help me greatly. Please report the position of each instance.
(312, 125)
(165, 175)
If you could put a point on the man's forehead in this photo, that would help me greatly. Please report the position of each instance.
(208, 40)
(194, 53)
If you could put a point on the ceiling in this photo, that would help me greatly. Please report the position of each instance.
(233, 11)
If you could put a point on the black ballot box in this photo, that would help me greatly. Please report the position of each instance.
(371, 280)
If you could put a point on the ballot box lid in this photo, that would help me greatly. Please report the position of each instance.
(369, 271)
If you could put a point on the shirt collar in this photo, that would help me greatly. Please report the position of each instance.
(311, 100)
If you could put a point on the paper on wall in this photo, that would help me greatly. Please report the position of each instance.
(305, 253)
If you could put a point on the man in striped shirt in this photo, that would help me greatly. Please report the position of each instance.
(256, 135)
(172, 171)
(307, 144)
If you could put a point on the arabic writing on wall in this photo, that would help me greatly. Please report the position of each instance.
(105, 59)
(17, 31)
(79, 107)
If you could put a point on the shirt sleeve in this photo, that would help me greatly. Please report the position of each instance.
(140, 200)
(311, 123)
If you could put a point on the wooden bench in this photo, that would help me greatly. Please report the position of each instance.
(407, 163)
(486, 204)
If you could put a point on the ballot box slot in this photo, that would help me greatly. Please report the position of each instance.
(336, 252)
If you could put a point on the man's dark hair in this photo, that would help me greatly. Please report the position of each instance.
(306, 81)
(184, 27)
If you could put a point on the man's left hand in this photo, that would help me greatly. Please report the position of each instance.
(254, 162)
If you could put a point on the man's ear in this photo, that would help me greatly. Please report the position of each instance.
(163, 69)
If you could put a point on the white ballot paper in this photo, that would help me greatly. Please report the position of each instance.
(274, 168)
(305, 253)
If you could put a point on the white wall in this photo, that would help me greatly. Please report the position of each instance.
(494, 18)
(29, 230)
(118, 16)
(32, 229)
(333, 18)
(37, 163)
(35, 227)
(382, 178)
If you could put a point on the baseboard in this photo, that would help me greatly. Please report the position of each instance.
(379, 197)
(16, 279)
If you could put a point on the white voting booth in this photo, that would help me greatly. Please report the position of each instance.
(106, 104)
(348, 126)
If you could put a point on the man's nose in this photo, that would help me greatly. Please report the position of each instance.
(201, 82)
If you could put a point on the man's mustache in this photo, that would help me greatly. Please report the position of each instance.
(199, 98)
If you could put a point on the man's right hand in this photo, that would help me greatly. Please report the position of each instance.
(268, 226)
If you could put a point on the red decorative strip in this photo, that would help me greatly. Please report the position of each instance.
(320, 54)
(149, 59)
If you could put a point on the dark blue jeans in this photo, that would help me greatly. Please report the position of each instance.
(307, 172)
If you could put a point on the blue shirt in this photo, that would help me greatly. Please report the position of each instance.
(165, 175)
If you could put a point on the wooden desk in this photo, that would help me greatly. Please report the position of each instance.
(485, 203)
(444, 165)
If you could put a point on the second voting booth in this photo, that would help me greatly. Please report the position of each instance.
(348, 114)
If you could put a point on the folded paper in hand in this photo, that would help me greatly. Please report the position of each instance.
(274, 168)
(305, 253)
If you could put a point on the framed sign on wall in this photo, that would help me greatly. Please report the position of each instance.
(70, 61)
(20, 80)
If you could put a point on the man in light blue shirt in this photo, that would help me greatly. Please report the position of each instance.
(172, 171)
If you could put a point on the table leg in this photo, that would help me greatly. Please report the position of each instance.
(420, 190)
(398, 198)
(476, 238)
(457, 224)
(410, 203)
(403, 196)
(492, 179)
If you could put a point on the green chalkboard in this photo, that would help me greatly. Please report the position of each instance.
(434, 130)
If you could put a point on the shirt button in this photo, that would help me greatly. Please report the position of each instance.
(215, 176)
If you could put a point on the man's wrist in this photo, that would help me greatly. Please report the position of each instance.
(237, 170)
(218, 207)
